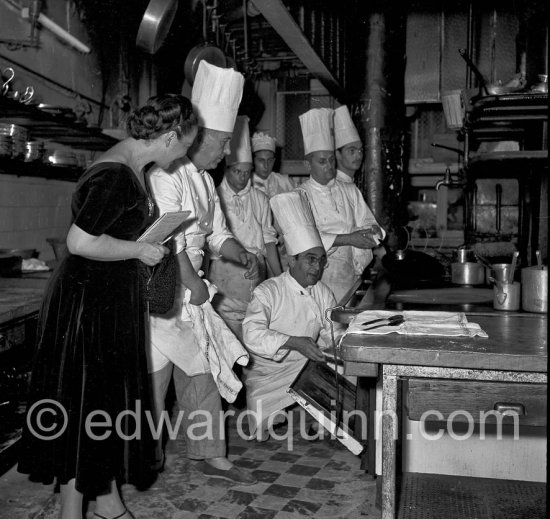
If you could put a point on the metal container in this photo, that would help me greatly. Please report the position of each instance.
(507, 296)
(463, 255)
(501, 272)
(534, 297)
(467, 273)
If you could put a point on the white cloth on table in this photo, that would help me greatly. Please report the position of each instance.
(417, 322)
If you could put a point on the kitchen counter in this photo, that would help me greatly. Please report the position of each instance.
(20, 296)
(513, 356)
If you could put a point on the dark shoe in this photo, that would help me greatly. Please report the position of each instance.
(234, 474)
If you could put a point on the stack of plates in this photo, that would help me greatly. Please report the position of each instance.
(19, 136)
(6, 146)
(60, 158)
(34, 150)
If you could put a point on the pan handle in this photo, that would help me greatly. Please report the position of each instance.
(477, 73)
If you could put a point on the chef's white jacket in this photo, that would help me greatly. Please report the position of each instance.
(249, 216)
(185, 188)
(274, 184)
(281, 308)
(343, 177)
(339, 208)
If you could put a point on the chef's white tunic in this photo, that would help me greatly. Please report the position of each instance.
(339, 208)
(249, 218)
(185, 188)
(343, 177)
(280, 308)
(274, 184)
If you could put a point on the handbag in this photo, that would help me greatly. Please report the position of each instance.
(159, 283)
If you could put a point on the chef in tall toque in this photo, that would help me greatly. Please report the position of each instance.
(269, 181)
(346, 224)
(349, 148)
(249, 218)
(175, 352)
(284, 324)
(264, 178)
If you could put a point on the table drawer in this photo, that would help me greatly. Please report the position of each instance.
(472, 399)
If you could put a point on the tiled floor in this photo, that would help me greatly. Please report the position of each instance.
(306, 479)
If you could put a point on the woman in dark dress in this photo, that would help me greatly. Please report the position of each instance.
(86, 421)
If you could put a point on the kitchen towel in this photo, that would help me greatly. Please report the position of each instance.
(448, 324)
(218, 343)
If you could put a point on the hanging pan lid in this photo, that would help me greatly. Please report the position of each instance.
(155, 24)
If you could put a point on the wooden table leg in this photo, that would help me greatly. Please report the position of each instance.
(389, 436)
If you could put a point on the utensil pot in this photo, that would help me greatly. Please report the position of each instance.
(506, 296)
(534, 297)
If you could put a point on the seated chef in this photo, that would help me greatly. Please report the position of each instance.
(285, 324)
(248, 216)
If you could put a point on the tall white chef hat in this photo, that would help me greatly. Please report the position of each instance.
(240, 142)
(317, 130)
(216, 96)
(263, 141)
(344, 129)
(294, 216)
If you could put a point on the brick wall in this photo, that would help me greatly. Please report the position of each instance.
(31, 210)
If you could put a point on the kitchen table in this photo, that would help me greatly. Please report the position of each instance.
(515, 352)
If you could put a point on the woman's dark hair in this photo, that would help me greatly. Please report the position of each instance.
(162, 114)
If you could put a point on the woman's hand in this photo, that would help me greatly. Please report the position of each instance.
(152, 253)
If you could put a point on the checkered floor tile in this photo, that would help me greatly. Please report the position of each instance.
(296, 479)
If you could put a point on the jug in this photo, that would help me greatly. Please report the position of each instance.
(506, 296)
(534, 297)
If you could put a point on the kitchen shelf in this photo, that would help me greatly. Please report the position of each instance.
(57, 128)
(39, 169)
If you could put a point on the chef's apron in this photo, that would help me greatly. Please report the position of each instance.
(234, 290)
(267, 380)
(344, 268)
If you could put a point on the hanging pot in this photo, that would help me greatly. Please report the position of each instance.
(205, 51)
(155, 24)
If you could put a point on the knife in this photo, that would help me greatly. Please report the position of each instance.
(390, 319)
(396, 321)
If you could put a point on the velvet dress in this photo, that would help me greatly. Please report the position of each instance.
(90, 356)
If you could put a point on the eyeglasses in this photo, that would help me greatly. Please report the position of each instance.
(313, 261)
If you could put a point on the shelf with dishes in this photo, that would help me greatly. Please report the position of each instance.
(21, 168)
(53, 125)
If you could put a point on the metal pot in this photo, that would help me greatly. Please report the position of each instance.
(534, 296)
(155, 24)
(467, 273)
(486, 88)
(205, 51)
